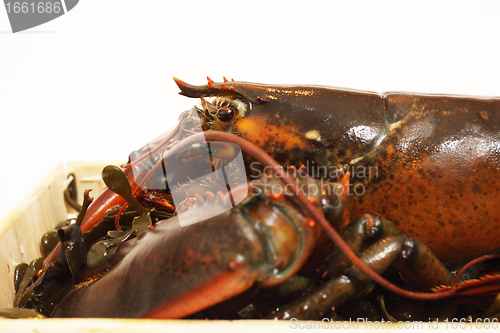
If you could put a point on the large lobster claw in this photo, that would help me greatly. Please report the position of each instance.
(182, 270)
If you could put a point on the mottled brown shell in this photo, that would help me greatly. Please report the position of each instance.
(429, 163)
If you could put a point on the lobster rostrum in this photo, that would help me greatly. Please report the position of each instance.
(425, 150)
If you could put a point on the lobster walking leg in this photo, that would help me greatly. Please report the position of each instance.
(357, 234)
(347, 281)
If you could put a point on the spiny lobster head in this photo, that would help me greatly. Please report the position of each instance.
(294, 124)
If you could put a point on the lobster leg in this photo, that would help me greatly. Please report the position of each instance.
(410, 256)
(357, 234)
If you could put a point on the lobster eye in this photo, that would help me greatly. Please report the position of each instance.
(231, 109)
(226, 114)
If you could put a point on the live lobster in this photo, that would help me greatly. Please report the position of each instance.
(435, 160)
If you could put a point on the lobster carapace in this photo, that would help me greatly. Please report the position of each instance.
(429, 163)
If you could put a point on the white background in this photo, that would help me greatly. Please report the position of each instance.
(97, 83)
